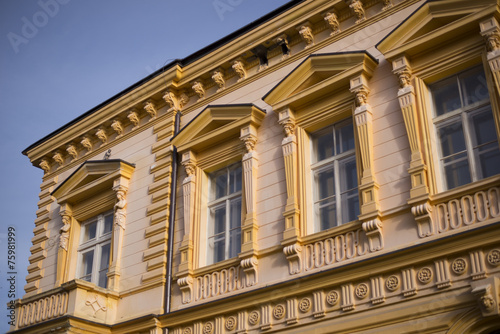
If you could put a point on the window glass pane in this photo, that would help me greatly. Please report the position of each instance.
(344, 138)
(446, 96)
(90, 231)
(234, 242)
(348, 175)
(105, 252)
(219, 245)
(327, 216)
(235, 217)
(474, 87)
(457, 171)
(452, 139)
(108, 223)
(325, 183)
(489, 160)
(350, 206)
(484, 127)
(324, 146)
(87, 263)
(235, 180)
(220, 185)
(219, 220)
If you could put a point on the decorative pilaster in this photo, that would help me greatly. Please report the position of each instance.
(419, 193)
(189, 195)
(120, 186)
(363, 118)
(64, 237)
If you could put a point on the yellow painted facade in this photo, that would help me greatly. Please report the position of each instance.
(332, 168)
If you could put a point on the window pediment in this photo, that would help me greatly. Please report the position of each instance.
(318, 76)
(91, 178)
(216, 124)
(435, 24)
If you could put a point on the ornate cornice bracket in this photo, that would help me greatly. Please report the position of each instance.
(293, 254)
(175, 100)
(332, 20)
(186, 286)
(218, 78)
(373, 230)
(250, 267)
(358, 10)
(239, 69)
(306, 32)
(150, 108)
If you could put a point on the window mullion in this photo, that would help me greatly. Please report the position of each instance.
(338, 203)
(470, 147)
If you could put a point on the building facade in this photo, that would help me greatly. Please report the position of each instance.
(333, 167)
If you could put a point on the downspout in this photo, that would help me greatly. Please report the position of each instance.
(170, 249)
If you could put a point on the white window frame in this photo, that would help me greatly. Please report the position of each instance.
(328, 163)
(95, 244)
(464, 116)
(224, 201)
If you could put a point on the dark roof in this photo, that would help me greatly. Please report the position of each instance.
(181, 62)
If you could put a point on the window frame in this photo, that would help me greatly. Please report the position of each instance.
(224, 201)
(102, 238)
(334, 161)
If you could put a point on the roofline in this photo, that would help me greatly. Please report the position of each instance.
(181, 62)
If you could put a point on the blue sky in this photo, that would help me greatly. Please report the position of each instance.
(60, 58)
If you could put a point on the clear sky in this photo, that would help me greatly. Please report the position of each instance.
(60, 58)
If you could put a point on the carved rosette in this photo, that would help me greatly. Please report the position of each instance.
(392, 283)
(71, 149)
(493, 257)
(358, 10)
(253, 318)
(305, 31)
(424, 275)
(133, 118)
(332, 298)
(198, 88)
(239, 69)
(218, 78)
(361, 291)
(101, 134)
(305, 305)
(279, 311)
(459, 266)
(332, 20)
(231, 323)
(150, 108)
(87, 143)
(116, 125)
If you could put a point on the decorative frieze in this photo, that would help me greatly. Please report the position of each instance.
(43, 309)
(220, 282)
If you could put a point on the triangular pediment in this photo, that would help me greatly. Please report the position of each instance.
(436, 23)
(217, 123)
(319, 75)
(91, 178)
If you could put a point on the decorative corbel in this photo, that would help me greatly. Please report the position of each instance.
(176, 101)
(423, 217)
(186, 286)
(363, 118)
(373, 230)
(260, 51)
(306, 32)
(282, 41)
(133, 117)
(62, 253)
(58, 157)
(120, 186)
(332, 20)
(87, 143)
(239, 69)
(116, 125)
(71, 149)
(249, 266)
(486, 292)
(293, 254)
(101, 134)
(45, 165)
(150, 108)
(358, 10)
(387, 4)
(218, 78)
(198, 88)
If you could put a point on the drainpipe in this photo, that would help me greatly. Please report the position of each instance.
(170, 249)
